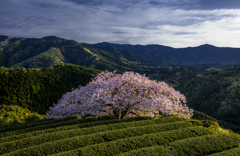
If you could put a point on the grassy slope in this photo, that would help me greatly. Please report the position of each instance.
(114, 136)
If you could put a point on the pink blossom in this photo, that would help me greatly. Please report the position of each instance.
(120, 95)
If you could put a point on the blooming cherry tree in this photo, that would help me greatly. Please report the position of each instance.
(121, 95)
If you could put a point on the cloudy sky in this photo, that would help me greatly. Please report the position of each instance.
(175, 23)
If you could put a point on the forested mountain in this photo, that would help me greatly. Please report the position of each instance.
(216, 93)
(204, 54)
(51, 50)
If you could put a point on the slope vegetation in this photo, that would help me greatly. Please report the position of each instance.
(108, 136)
(49, 51)
(204, 54)
(37, 89)
(216, 94)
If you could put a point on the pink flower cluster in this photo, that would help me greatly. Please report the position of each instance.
(121, 95)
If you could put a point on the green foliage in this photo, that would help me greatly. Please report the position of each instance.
(16, 114)
(49, 58)
(231, 152)
(37, 89)
(216, 94)
(133, 143)
(176, 76)
(205, 144)
(32, 129)
(195, 146)
(87, 128)
(202, 116)
(23, 127)
(81, 141)
(208, 123)
(108, 136)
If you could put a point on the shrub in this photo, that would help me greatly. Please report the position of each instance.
(85, 140)
(33, 117)
(32, 125)
(208, 123)
(16, 114)
(121, 95)
(231, 152)
(60, 124)
(133, 143)
(195, 146)
(77, 130)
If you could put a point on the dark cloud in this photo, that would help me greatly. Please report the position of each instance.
(217, 4)
(184, 33)
(176, 23)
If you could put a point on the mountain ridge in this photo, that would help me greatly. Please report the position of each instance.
(202, 54)
(15, 51)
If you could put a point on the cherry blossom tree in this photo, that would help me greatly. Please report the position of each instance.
(110, 93)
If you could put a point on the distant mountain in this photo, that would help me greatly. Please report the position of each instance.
(204, 54)
(51, 50)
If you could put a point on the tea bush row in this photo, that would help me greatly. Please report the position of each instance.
(35, 140)
(27, 125)
(231, 152)
(191, 147)
(54, 122)
(89, 122)
(133, 143)
(81, 141)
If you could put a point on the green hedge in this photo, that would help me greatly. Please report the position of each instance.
(81, 141)
(32, 124)
(29, 122)
(84, 125)
(231, 152)
(192, 147)
(36, 140)
(133, 143)
(66, 123)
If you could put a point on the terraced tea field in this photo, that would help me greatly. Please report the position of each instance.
(131, 136)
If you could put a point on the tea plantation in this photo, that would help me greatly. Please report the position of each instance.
(106, 135)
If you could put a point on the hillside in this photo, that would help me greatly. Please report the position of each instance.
(40, 71)
(206, 55)
(49, 51)
(38, 88)
(129, 136)
(216, 94)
